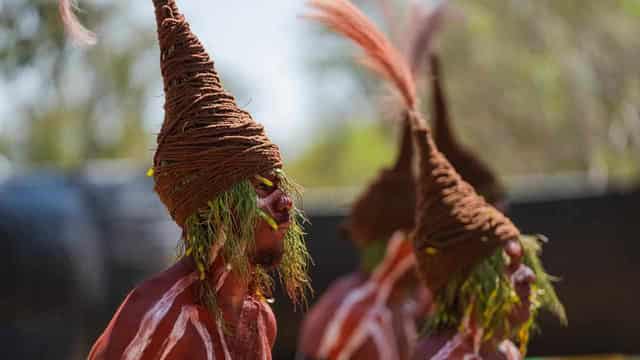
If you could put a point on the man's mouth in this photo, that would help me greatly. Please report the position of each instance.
(282, 220)
(276, 222)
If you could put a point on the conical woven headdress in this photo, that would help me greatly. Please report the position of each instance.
(206, 143)
(388, 203)
(455, 227)
(468, 165)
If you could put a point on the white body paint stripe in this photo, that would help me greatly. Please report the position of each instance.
(409, 325)
(225, 348)
(204, 333)
(387, 326)
(360, 332)
(189, 313)
(332, 333)
(176, 334)
(382, 343)
(509, 350)
(152, 318)
(445, 352)
(262, 336)
(386, 286)
(221, 279)
(357, 338)
(382, 290)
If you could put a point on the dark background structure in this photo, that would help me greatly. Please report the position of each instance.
(72, 247)
(593, 246)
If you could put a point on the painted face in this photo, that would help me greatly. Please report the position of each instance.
(274, 221)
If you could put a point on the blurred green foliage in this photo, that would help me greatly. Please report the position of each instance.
(534, 86)
(344, 156)
(76, 103)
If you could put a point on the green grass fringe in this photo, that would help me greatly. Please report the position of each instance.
(488, 296)
(293, 271)
(543, 294)
(232, 218)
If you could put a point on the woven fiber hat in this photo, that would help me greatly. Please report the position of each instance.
(455, 227)
(388, 203)
(207, 143)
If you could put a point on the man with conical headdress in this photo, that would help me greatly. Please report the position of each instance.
(454, 332)
(468, 164)
(470, 256)
(372, 312)
(222, 182)
(380, 219)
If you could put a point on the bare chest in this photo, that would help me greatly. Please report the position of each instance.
(173, 326)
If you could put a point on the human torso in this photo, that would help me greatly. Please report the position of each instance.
(160, 319)
(354, 319)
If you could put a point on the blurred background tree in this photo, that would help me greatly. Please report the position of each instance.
(535, 87)
(71, 104)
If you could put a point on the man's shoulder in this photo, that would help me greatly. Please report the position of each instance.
(174, 279)
(140, 314)
(155, 296)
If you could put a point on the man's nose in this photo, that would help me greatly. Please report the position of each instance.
(283, 202)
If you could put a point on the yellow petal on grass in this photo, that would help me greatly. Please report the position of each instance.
(264, 180)
(260, 296)
(431, 250)
(268, 219)
(272, 223)
(201, 270)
